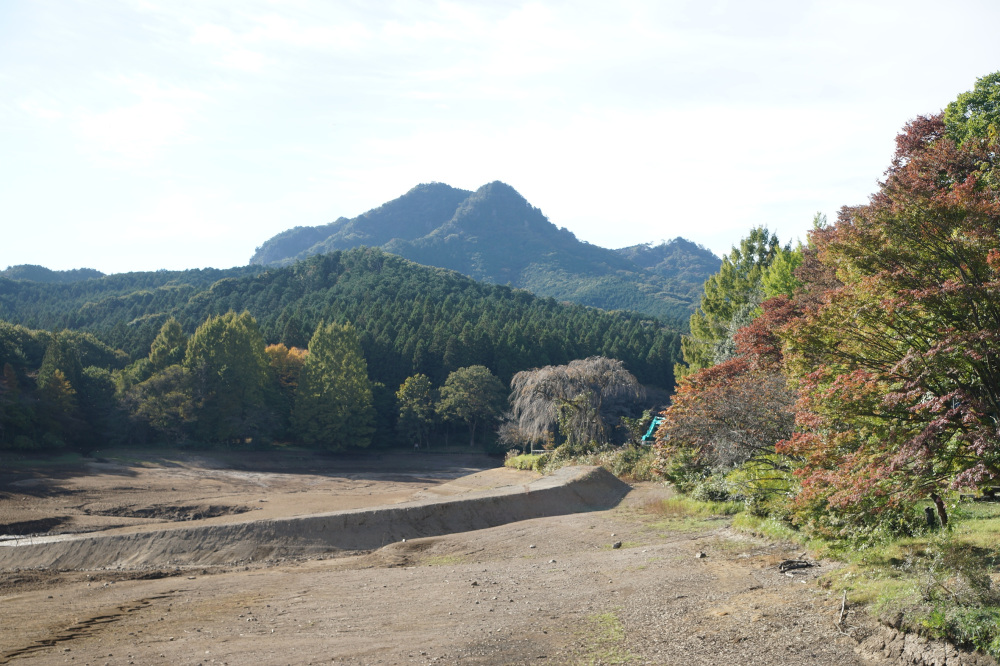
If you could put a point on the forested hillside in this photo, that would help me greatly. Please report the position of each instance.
(42, 274)
(405, 319)
(495, 235)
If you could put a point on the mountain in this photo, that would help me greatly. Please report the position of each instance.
(495, 235)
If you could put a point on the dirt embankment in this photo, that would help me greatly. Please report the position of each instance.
(570, 490)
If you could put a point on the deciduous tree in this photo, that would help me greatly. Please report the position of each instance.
(737, 410)
(472, 395)
(582, 401)
(898, 362)
(415, 398)
(229, 373)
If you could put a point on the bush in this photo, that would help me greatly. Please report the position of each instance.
(764, 485)
(525, 461)
(714, 489)
(681, 466)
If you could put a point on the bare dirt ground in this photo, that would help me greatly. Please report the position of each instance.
(548, 590)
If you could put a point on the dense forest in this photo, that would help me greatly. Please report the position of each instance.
(494, 235)
(95, 353)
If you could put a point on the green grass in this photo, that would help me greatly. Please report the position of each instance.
(603, 638)
(942, 584)
(526, 461)
(683, 514)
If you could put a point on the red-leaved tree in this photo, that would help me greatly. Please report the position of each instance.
(897, 360)
(737, 410)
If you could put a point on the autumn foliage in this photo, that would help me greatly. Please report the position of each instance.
(735, 411)
(878, 382)
(898, 365)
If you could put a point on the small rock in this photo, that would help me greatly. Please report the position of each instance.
(475, 583)
(616, 545)
(700, 554)
(552, 561)
(531, 546)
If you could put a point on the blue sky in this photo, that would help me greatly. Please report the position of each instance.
(140, 134)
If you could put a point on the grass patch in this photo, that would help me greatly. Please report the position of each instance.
(771, 528)
(683, 514)
(629, 463)
(603, 640)
(941, 584)
(443, 560)
(685, 507)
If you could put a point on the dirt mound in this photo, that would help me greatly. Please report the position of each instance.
(570, 490)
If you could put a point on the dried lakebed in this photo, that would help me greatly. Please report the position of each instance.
(548, 589)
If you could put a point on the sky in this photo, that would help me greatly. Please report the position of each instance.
(174, 134)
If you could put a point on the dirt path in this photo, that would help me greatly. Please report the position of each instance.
(548, 590)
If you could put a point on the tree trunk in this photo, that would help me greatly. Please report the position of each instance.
(941, 510)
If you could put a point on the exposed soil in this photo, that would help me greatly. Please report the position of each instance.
(547, 590)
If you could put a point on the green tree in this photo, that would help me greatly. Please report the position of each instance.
(162, 407)
(16, 414)
(415, 398)
(897, 367)
(779, 278)
(229, 373)
(730, 293)
(472, 395)
(168, 347)
(59, 410)
(333, 403)
(976, 113)
(60, 355)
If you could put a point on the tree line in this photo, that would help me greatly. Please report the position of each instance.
(173, 361)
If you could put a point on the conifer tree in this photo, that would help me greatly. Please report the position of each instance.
(333, 404)
(728, 295)
(230, 373)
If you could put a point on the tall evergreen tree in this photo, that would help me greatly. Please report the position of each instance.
(333, 403)
(230, 373)
(728, 295)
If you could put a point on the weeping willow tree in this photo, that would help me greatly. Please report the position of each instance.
(579, 402)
